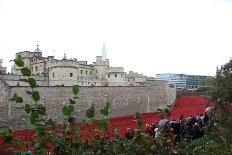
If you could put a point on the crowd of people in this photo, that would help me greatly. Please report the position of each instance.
(175, 129)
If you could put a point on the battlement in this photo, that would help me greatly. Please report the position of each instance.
(28, 54)
(115, 69)
(62, 63)
(135, 74)
(101, 62)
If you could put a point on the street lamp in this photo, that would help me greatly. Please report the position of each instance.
(148, 102)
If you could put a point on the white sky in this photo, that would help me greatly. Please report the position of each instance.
(147, 36)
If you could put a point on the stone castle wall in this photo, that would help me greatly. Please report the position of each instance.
(124, 100)
(4, 93)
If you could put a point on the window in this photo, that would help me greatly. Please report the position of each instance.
(71, 75)
(86, 72)
(115, 75)
(53, 74)
(81, 71)
(96, 71)
(36, 68)
(108, 75)
(90, 73)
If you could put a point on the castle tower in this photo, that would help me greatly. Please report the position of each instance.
(104, 56)
(65, 57)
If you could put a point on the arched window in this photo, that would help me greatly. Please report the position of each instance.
(81, 71)
(53, 75)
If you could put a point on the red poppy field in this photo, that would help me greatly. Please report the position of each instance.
(186, 105)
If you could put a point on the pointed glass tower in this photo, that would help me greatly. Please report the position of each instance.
(104, 56)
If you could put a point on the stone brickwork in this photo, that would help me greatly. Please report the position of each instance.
(4, 93)
(124, 100)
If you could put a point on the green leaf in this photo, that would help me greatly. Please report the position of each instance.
(36, 96)
(52, 123)
(105, 110)
(19, 100)
(8, 139)
(25, 71)
(41, 109)
(27, 108)
(39, 126)
(32, 82)
(75, 89)
(71, 101)
(34, 116)
(71, 108)
(67, 110)
(137, 115)
(167, 112)
(19, 61)
(103, 123)
(139, 123)
(161, 115)
(14, 97)
(107, 104)
(90, 112)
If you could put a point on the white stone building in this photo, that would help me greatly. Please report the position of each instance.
(68, 72)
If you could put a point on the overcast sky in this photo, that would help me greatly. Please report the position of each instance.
(147, 36)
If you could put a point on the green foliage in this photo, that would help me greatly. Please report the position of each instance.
(222, 84)
(161, 115)
(167, 112)
(138, 120)
(25, 71)
(27, 108)
(34, 116)
(19, 61)
(105, 109)
(139, 123)
(90, 111)
(32, 82)
(35, 95)
(67, 110)
(75, 89)
(16, 98)
(104, 123)
(41, 109)
(137, 115)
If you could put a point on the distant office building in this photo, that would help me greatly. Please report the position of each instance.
(182, 81)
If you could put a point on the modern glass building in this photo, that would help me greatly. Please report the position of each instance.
(182, 81)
